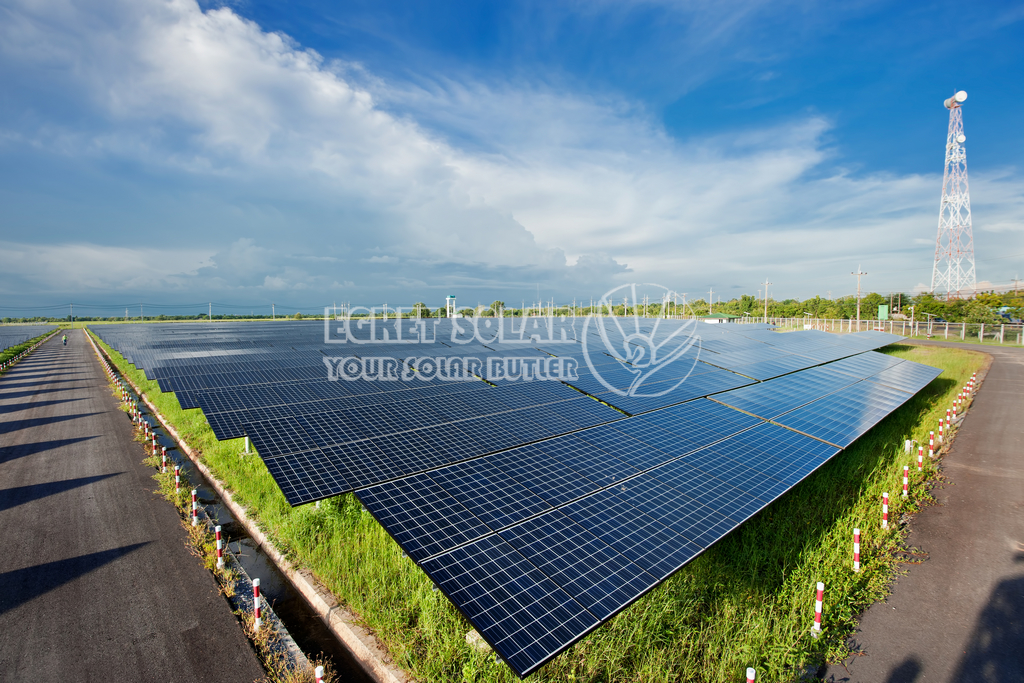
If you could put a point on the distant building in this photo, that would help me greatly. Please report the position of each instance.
(718, 318)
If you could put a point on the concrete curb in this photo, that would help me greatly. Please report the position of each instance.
(360, 642)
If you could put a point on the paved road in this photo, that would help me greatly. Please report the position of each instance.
(959, 616)
(96, 583)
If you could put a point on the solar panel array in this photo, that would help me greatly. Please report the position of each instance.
(540, 508)
(12, 335)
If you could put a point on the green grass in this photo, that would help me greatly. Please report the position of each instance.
(747, 601)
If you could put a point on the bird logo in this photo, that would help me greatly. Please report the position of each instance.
(644, 348)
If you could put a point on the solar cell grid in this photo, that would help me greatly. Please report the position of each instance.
(775, 397)
(545, 476)
(598, 577)
(525, 616)
(840, 418)
(421, 517)
(647, 542)
(774, 368)
(494, 498)
(742, 476)
(908, 377)
(600, 466)
(686, 516)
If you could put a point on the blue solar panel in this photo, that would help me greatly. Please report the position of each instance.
(540, 512)
(840, 418)
(909, 377)
(597, 576)
(781, 395)
(647, 542)
(421, 516)
(524, 615)
(495, 499)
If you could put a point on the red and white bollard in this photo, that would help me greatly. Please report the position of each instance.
(220, 547)
(920, 458)
(816, 628)
(856, 550)
(885, 510)
(163, 453)
(906, 480)
(163, 462)
(195, 508)
(256, 601)
(177, 478)
(319, 673)
(931, 444)
(954, 412)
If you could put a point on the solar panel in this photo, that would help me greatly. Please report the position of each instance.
(527, 617)
(909, 377)
(842, 417)
(781, 395)
(540, 508)
(598, 577)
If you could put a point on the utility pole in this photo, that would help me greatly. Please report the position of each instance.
(142, 316)
(273, 312)
(858, 274)
(72, 316)
(765, 285)
(126, 314)
(211, 311)
(711, 300)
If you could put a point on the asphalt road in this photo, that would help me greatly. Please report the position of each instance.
(959, 616)
(96, 583)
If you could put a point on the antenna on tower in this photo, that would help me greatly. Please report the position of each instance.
(954, 247)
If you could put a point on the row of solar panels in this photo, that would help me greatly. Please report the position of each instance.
(19, 334)
(541, 512)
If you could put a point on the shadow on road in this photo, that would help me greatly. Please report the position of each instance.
(906, 672)
(15, 407)
(8, 453)
(22, 394)
(18, 495)
(20, 385)
(15, 425)
(24, 585)
(995, 651)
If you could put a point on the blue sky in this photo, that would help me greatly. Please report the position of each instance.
(305, 152)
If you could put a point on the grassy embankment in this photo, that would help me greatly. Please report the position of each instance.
(748, 601)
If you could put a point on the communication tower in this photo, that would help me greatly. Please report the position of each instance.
(954, 248)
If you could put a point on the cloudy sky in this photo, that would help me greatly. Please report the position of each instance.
(304, 152)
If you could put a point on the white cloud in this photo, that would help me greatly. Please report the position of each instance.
(453, 182)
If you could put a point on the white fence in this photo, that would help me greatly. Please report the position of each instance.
(1008, 334)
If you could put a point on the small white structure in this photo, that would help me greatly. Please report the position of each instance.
(449, 306)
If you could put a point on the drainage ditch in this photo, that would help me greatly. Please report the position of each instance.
(303, 624)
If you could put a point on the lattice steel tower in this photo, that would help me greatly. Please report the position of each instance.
(954, 247)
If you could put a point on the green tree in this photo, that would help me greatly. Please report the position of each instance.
(869, 305)
(421, 309)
